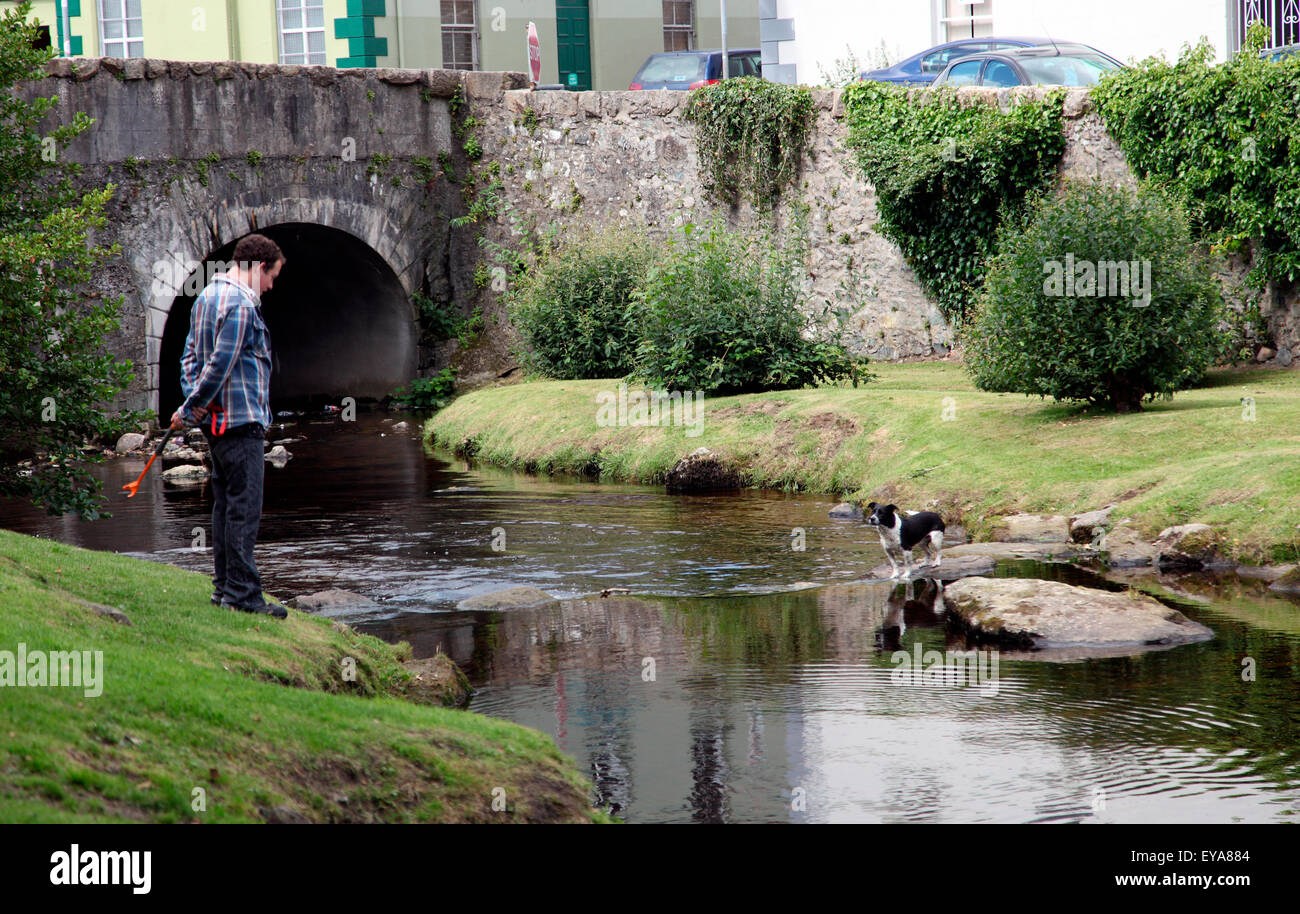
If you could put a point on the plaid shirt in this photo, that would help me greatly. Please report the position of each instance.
(227, 356)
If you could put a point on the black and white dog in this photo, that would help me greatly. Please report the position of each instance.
(902, 534)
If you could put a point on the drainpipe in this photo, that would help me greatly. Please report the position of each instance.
(232, 29)
(61, 13)
(397, 11)
(725, 68)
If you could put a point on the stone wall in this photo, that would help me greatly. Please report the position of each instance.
(595, 160)
(203, 153)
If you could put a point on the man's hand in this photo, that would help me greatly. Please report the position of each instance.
(178, 423)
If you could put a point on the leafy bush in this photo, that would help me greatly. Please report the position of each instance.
(428, 393)
(750, 134)
(947, 173)
(442, 321)
(574, 309)
(722, 312)
(56, 374)
(1224, 139)
(1039, 328)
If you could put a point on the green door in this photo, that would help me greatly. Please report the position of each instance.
(573, 50)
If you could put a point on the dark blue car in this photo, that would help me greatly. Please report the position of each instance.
(693, 69)
(921, 69)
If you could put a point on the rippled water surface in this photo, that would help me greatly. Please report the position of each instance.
(722, 691)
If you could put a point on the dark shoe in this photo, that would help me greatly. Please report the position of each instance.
(216, 600)
(266, 609)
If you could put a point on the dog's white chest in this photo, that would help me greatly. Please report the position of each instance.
(891, 537)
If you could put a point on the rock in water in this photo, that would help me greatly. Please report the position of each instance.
(1038, 552)
(329, 602)
(846, 509)
(701, 469)
(131, 441)
(437, 680)
(1085, 527)
(1124, 547)
(278, 455)
(1049, 614)
(1187, 546)
(961, 566)
(1288, 583)
(185, 475)
(510, 598)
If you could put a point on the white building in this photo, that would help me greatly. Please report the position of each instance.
(804, 38)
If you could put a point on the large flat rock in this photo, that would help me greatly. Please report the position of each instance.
(1049, 614)
(1042, 552)
(510, 598)
(952, 568)
(333, 602)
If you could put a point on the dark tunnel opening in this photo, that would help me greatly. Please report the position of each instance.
(341, 324)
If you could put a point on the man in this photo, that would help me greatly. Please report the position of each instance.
(226, 379)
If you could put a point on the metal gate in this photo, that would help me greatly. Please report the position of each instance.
(1280, 17)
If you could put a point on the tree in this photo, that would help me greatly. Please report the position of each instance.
(55, 375)
(1101, 296)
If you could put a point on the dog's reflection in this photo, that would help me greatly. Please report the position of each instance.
(906, 608)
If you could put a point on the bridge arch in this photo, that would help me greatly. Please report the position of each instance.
(341, 318)
(341, 321)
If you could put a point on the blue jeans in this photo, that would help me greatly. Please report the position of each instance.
(238, 466)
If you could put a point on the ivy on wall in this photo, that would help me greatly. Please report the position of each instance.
(750, 135)
(948, 172)
(1225, 139)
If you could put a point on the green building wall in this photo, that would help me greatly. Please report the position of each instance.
(407, 33)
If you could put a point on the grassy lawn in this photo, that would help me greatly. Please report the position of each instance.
(254, 712)
(1193, 459)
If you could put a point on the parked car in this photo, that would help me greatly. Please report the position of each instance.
(693, 69)
(921, 69)
(1280, 53)
(1049, 65)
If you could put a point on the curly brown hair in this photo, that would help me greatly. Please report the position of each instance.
(258, 249)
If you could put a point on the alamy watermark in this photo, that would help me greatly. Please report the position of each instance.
(1070, 278)
(44, 669)
(174, 276)
(950, 668)
(651, 409)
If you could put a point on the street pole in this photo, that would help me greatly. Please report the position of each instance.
(725, 67)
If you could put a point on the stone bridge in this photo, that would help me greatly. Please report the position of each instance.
(340, 167)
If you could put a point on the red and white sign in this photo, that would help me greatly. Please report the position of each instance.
(534, 54)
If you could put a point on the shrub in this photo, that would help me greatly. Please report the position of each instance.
(750, 134)
(56, 374)
(948, 172)
(1224, 139)
(1039, 328)
(428, 393)
(574, 309)
(722, 312)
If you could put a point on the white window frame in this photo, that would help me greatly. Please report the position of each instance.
(116, 11)
(308, 57)
(687, 30)
(966, 23)
(461, 28)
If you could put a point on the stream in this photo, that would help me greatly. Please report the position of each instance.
(727, 688)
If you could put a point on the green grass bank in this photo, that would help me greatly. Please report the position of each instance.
(1226, 453)
(207, 715)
